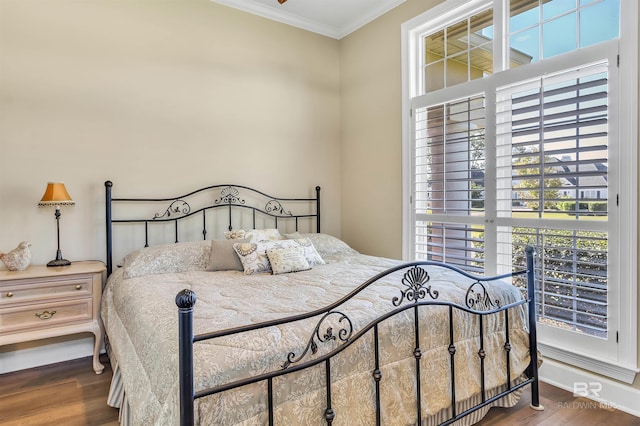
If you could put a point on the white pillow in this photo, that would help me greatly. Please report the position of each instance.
(254, 234)
(310, 252)
(253, 255)
(288, 259)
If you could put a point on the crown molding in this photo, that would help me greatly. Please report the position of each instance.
(328, 30)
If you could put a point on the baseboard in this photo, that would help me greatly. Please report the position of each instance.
(20, 357)
(606, 392)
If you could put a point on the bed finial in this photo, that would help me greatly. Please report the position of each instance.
(185, 299)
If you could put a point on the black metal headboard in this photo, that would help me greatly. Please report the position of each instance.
(229, 197)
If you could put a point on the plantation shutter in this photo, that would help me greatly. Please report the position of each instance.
(449, 182)
(552, 168)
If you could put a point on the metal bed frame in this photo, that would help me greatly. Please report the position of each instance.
(415, 294)
(224, 196)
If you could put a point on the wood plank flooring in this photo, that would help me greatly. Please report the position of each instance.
(70, 393)
(560, 408)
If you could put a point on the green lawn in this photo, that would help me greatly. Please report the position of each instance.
(554, 215)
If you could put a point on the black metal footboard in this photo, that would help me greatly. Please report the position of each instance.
(416, 293)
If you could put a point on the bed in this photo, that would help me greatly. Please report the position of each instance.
(275, 322)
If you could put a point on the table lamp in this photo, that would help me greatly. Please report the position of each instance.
(56, 195)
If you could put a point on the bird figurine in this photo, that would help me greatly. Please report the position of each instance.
(17, 259)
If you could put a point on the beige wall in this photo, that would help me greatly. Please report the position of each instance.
(371, 150)
(160, 97)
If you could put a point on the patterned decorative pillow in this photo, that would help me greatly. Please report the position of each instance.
(310, 252)
(325, 244)
(253, 255)
(167, 258)
(254, 235)
(288, 259)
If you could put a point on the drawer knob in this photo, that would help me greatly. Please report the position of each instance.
(46, 315)
(78, 287)
(9, 294)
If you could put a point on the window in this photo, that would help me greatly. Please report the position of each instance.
(514, 138)
(458, 53)
(534, 26)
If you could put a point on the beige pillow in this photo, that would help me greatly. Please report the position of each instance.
(325, 244)
(223, 257)
(288, 259)
(167, 258)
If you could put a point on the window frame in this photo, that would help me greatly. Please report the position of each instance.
(623, 364)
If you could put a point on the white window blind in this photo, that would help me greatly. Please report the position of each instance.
(450, 161)
(552, 144)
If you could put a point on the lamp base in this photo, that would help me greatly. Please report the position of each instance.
(59, 262)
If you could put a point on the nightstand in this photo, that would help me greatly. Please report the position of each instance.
(42, 302)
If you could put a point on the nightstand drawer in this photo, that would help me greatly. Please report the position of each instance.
(44, 315)
(36, 290)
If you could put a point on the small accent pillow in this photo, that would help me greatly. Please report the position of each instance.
(223, 256)
(253, 255)
(167, 258)
(253, 260)
(310, 252)
(289, 259)
(325, 244)
(254, 234)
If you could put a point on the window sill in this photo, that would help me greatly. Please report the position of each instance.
(623, 373)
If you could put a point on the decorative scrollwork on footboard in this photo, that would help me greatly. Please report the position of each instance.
(415, 279)
(177, 207)
(274, 206)
(477, 297)
(229, 195)
(343, 334)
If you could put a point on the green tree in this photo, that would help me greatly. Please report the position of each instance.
(534, 176)
(477, 157)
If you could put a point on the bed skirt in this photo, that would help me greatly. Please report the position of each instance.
(118, 399)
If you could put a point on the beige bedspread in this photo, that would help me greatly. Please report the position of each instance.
(140, 318)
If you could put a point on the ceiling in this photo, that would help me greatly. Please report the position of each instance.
(331, 18)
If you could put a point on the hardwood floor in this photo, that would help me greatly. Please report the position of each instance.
(560, 408)
(70, 393)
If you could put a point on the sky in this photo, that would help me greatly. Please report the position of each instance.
(566, 26)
